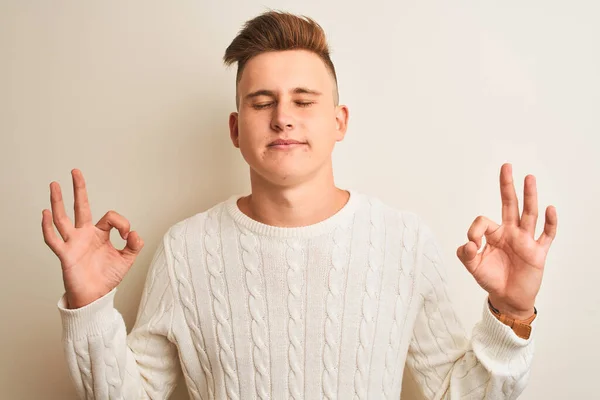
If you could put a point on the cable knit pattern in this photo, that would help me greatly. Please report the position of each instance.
(404, 293)
(83, 362)
(333, 310)
(220, 303)
(113, 378)
(370, 301)
(188, 303)
(257, 306)
(295, 280)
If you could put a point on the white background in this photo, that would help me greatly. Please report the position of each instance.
(440, 94)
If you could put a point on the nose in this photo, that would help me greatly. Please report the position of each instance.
(282, 119)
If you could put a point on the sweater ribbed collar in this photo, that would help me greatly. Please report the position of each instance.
(340, 218)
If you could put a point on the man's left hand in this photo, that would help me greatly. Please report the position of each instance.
(511, 265)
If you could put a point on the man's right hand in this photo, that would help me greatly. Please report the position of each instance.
(91, 265)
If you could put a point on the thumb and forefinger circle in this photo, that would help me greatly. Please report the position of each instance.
(113, 219)
(468, 253)
(133, 246)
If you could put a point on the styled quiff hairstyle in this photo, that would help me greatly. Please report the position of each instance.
(278, 31)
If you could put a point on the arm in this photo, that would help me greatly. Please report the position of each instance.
(104, 362)
(494, 364)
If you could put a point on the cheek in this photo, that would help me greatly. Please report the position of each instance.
(322, 128)
(253, 136)
(249, 130)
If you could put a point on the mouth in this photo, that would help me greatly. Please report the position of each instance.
(282, 143)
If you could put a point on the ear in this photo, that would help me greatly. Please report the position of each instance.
(341, 122)
(233, 129)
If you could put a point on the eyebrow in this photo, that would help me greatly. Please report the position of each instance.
(270, 93)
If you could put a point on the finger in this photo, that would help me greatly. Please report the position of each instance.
(546, 238)
(83, 214)
(468, 255)
(50, 237)
(133, 246)
(113, 219)
(530, 205)
(61, 220)
(510, 203)
(481, 226)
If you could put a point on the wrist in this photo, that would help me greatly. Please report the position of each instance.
(520, 326)
(90, 320)
(510, 311)
(78, 301)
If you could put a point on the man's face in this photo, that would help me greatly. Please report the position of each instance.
(287, 96)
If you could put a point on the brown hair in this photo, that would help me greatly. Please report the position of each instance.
(278, 31)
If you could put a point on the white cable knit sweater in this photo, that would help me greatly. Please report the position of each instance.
(332, 310)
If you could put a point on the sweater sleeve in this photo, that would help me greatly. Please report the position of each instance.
(493, 364)
(106, 363)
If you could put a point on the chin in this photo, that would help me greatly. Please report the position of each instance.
(284, 176)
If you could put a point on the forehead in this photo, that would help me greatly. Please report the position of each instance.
(285, 70)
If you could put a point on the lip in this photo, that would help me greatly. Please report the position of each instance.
(286, 147)
(284, 142)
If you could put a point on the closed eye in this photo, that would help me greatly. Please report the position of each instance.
(261, 106)
(266, 105)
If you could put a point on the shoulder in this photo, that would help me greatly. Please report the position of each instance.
(408, 220)
(416, 233)
(193, 226)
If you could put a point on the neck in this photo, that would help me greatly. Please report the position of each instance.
(293, 206)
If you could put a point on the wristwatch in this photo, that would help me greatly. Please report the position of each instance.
(521, 327)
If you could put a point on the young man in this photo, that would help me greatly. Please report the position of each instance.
(300, 289)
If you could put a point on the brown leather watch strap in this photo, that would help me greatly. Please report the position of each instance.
(522, 328)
